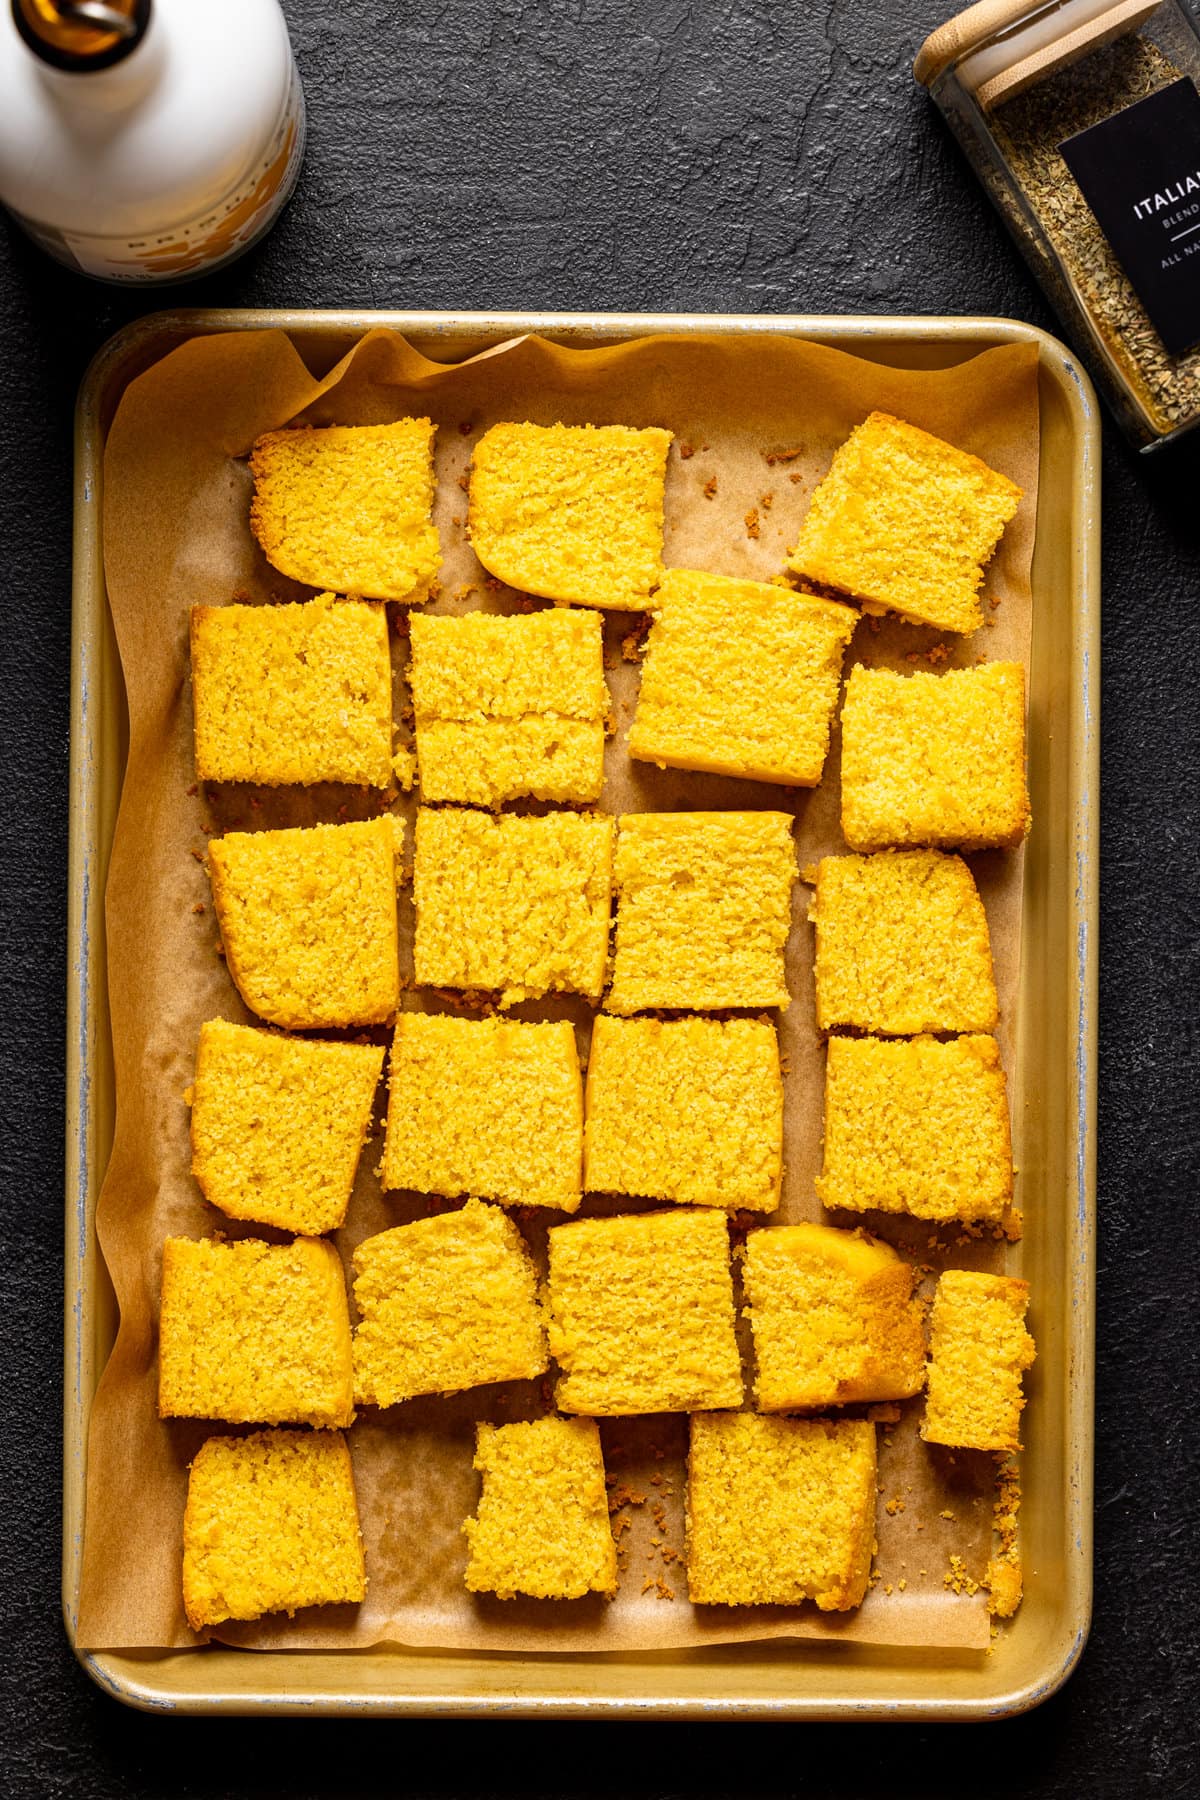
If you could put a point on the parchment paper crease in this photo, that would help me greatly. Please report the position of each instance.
(756, 420)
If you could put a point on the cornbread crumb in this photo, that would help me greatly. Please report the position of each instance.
(740, 678)
(833, 1318)
(446, 1303)
(958, 1579)
(349, 507)
(641, 1314)
(254, 1333)
(571, 512)
(485, 1107)
(308, 920)
(542, 1525)
(633, 644)
(1003, 1581)
(271, 1525)
(918, 1126)
(287, 694)
(689, 1110)
(902, 945)
(404, 768)
(979, 1351)
(906, 522)
(1004, 1577)
(935, 759)
(278, 1124)
(511, 903)
(510, 706)
(704, 909)
(780, 1511)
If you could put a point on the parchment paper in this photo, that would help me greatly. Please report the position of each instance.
(756, 420)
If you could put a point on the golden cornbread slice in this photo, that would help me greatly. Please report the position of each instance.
(349, 507)
(486, 1107)
(506, 707)
(542, 1526)
(902, 945)
(780, 1511)
(979, 1351)
(254, 1333)
(704, 904)
(485, 762)
(917, 1126)
(906, 523)
(446, 1303)
(502, 666)
(308, 920)
(293, 693)
(271, 1524)
(689, 1110)
(833, 1318)
(641, 1314)
(571, 512)
(740, 678)
(935, 759)
(278, 1124)
(514, 904)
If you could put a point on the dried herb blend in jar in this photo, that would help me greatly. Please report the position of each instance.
(1082, 118)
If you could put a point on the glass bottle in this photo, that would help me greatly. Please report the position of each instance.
(1082, 120)
(147, 140)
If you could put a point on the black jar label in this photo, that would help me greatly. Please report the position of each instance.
(1140, 173)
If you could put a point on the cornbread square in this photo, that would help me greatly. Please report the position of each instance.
(278, 1124)
(919, 1127)
(510, 706)
(542, 1526)
(902, 945)
(905, 522)
(446, 1303)
(308, 920)
(349, 507)
(571, 512)
(514, 904)
(486, 1107)
(689, 1110)
(780, 1511)
(833, 1318)
(935, 759)
(740, 678)
(254, 1333)
(271, 1524)
(980, 1350)
(641, 1314)
(293, 693)
(704, 903)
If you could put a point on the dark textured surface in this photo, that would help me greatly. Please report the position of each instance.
(597, 153)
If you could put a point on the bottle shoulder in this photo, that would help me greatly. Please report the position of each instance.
(160, 137)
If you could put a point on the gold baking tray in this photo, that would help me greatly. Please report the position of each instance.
(1054, 1086)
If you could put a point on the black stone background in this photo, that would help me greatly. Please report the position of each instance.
(742, 155)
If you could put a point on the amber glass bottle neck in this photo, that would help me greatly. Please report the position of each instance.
(81, 35)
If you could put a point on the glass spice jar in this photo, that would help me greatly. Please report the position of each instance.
(1082, 120)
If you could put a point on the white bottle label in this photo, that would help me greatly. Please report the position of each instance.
(195, 246)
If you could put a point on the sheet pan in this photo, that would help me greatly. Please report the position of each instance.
(1055, 1085)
